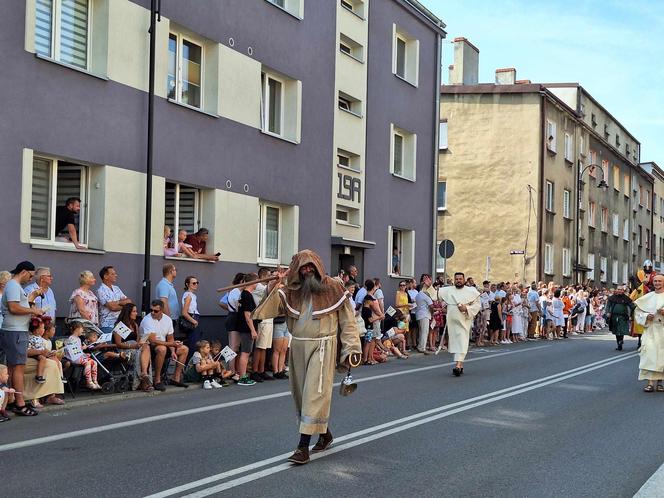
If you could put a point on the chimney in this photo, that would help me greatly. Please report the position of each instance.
(506, 76)
(466, 63)
(523, 82)
(451, 73)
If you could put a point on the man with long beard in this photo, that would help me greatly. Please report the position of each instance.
(463, 303)
(318, 311)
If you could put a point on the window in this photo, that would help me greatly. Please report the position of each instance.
(614, 271)
(53, 182)
(591, 214)
(582, 146)
(625, 273)
(349, 104)
(616, 178)
(185, 73)
(405, 56)
(273, 117)
(626, 184)
(569, 149)
(566, 203)
(549, 197)
(605, 171)
(551, 135)
(62, 31)
(347, 215)
(349, 160)
(404, 149)
(604, 221)
(593, 119)
(350, 47)
(647, 199)
(269, 236)
(442, 135)
(442, 196)
(639, 236)
(617, 140)
(182, 210)
(647, 244)
(567, 262)
(347, 5)
(293, 7)
(626, 229)
(354, 6)
(590, 274)
(440, 261)
(401, 257)
(654, 203)
(642, 195)
(548, 259)
(602, 269)
(592, 157)
(616, 225)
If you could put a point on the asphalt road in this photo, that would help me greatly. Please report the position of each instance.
(547, 418)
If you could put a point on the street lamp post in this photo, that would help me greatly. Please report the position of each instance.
(579, 179)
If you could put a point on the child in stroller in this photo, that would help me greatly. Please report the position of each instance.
(74, 351)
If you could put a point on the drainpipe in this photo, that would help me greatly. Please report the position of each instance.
(436, 152)
(155, 16)
(540, 221)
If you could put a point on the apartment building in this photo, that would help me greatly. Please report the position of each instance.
(267, 131)
(517, 160)
(657, 211)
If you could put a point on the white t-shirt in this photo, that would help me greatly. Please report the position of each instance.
(193, 304)
(160, 328)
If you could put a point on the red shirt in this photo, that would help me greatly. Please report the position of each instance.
(198, 246)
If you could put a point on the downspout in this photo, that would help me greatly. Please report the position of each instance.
(540, 221)
(155, 8)
(436, 152)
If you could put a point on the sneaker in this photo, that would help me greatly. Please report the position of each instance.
(64, 381)
(246, 381)
(207, 384)
(281, 375)
(160, 387)
(216, 384)
(265, 376)
(256, 377)
(40, 379)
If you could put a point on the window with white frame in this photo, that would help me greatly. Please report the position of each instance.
(401, 257)
(591, 214)
(625, 273)
(185, 70)
(616, 225)
(551, 135)
(549, 196)
(582, 146)
(182, 210)
(350, 47)
(626, 183)
(354, 6)
(605, 171)
(280, 105)
(442, 196)
(405, 56)
(567, 195)
(590, 274)
(293, 7)
(62, 30)
(273, 104)
(347, 215)
(616, 178)
(614, 271)
(604, 220)
(53, 183)
(626, 229)
(269, 236)
(442, 135)
(569, 148)
(602, 269)
(548, 259)
(350, 104)
(647, 203)
(567, 262)
(440, 261)
(348, 160)
(403, 153)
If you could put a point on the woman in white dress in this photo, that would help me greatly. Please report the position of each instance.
(517, 313)
(558, 315)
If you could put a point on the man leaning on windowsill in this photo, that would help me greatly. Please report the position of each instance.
(198, 244)
(65, 222)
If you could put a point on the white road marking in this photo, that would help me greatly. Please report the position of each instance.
(654, 487)
(382, 430)
(192, 411)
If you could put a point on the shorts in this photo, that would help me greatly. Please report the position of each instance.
(246, 343)
(280, 331)
(589, 319)
(264, 339)
(14, 343)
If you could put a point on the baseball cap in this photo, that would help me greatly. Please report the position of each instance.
(23, 265)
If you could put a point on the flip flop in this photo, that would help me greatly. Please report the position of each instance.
(659, 388)
(25, 411)
(649, 388)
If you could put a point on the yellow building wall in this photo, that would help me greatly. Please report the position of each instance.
(491, 159)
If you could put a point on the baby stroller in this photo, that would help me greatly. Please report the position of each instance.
(113, 375)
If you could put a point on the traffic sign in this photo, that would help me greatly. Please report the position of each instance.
(446, 249)
(517, 251)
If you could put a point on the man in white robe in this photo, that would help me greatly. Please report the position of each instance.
(649, 313)
(463, 303)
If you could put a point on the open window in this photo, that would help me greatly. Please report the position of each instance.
(405, 56)
(269, 236)
(401, 257)
(280, 105)
(404, 153)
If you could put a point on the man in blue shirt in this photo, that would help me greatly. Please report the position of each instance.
(43, 280)
(534, 309)
(165, 292)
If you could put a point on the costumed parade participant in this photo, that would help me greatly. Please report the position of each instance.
(318, 314)
(641, 283)
(618, 311)
(649, 314)
(463, 303)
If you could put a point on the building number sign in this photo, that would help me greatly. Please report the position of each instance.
(349, 188)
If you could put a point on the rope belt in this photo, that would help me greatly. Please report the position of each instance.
(321, 353)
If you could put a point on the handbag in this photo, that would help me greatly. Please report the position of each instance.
(185, 324)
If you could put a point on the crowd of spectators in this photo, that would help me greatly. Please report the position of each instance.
(166, 347)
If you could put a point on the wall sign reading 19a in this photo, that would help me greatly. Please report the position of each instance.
(349, 187)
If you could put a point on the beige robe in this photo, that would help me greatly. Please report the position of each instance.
(459, 324)
(313, 355)
(651, 364)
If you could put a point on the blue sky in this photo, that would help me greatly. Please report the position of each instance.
(613, 48)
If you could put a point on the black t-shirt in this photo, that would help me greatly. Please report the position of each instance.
(389, 322)
(63, 217)
(247, 303)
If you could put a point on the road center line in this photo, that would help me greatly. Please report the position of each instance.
(192, 411)
(383, 430)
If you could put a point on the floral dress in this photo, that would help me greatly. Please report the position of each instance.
(90, 304)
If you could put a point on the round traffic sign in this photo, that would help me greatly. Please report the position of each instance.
(446, 249)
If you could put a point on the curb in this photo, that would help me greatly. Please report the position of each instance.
(100, 399)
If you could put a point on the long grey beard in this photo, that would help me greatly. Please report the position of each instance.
(310, 285)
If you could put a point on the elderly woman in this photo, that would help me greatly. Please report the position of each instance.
(126, 338)
(83, 301)
(4, 278)
(618, 313)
